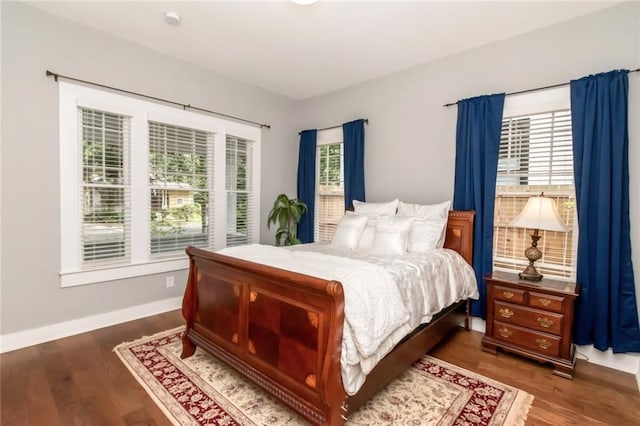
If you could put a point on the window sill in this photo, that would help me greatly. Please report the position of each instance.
(111, 273)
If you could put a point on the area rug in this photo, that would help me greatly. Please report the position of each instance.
(202, 391)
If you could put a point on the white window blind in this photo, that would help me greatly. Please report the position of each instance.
(180, 170)
(105, 188)
(329, 190)
(240, 205)
(535, 156)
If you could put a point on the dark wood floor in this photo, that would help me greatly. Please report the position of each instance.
(80, 381)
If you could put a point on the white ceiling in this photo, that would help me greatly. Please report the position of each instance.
(304, 51)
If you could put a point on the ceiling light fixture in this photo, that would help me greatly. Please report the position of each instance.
(304, 2)
(172, 18)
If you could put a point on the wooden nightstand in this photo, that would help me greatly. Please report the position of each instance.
(534, 319)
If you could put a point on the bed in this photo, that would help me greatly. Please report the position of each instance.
(283, 330)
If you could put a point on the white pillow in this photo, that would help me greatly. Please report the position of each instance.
(375, 209)
(348, 231)
(391, 235)
(435, 213)
(431, 211)
(366, 239)
(424, 236)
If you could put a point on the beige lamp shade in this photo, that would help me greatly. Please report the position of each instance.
(540, 213)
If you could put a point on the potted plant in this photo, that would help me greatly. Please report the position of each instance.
(286, 212)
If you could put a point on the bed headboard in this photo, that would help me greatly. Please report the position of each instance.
(460, 233)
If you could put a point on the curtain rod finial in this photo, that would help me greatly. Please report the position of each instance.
(50, 73)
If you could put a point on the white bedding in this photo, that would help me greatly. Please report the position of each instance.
(385, 297)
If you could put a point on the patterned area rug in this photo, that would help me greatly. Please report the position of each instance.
(201, 391)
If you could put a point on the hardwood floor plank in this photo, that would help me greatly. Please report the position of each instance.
(16, 366)
(98, 409)
(60, 377)
(141, 417)
(42, 405)
(80, 380)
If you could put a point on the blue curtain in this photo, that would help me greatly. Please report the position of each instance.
(477, 147)
(606, 314)
(353, 134)
(307, 182)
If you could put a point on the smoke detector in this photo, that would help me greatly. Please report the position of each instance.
(172, 18)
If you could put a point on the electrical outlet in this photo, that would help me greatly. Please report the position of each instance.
(170, 281)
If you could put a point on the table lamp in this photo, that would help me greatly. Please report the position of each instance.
(540, 213)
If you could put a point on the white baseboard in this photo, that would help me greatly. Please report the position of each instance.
(478, 324)
(34, 336)
(622, 362)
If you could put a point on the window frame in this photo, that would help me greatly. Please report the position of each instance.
(73, 96)
(542, 101)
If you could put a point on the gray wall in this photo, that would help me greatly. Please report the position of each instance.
(33, 42)
(410, 139)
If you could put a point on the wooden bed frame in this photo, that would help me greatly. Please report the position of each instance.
(283, 330)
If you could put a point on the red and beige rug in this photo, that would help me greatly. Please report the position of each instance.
(202, 391)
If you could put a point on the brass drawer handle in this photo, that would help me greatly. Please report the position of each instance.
(545, 322)
(506, 313)
(505, 332)
(544, 302)
(543, 343)
(507, 294)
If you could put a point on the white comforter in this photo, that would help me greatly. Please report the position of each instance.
(385, 297)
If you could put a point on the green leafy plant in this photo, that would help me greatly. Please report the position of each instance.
(286, 213)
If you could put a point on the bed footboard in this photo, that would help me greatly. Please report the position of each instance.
(282, 330)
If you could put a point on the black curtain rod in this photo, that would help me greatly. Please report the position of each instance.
(366, 121)
(533, 90)
(56, 76)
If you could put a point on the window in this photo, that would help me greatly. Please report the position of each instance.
(105, 187)
(138, 182)
(535, 156)
(330, 184)
(180, 160)
(240, 212)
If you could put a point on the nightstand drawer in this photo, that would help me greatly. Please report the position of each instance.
(539, 342)
(509, 294)
(546, 301)
(527, 317)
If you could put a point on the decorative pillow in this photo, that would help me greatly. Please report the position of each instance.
(391, 235)
(375, 209)
(366, 239)
(348, 231)
(424, 235)
(437, 214)
(431, 211)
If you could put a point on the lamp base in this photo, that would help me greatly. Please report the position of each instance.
(533, 253)
(530, 274)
